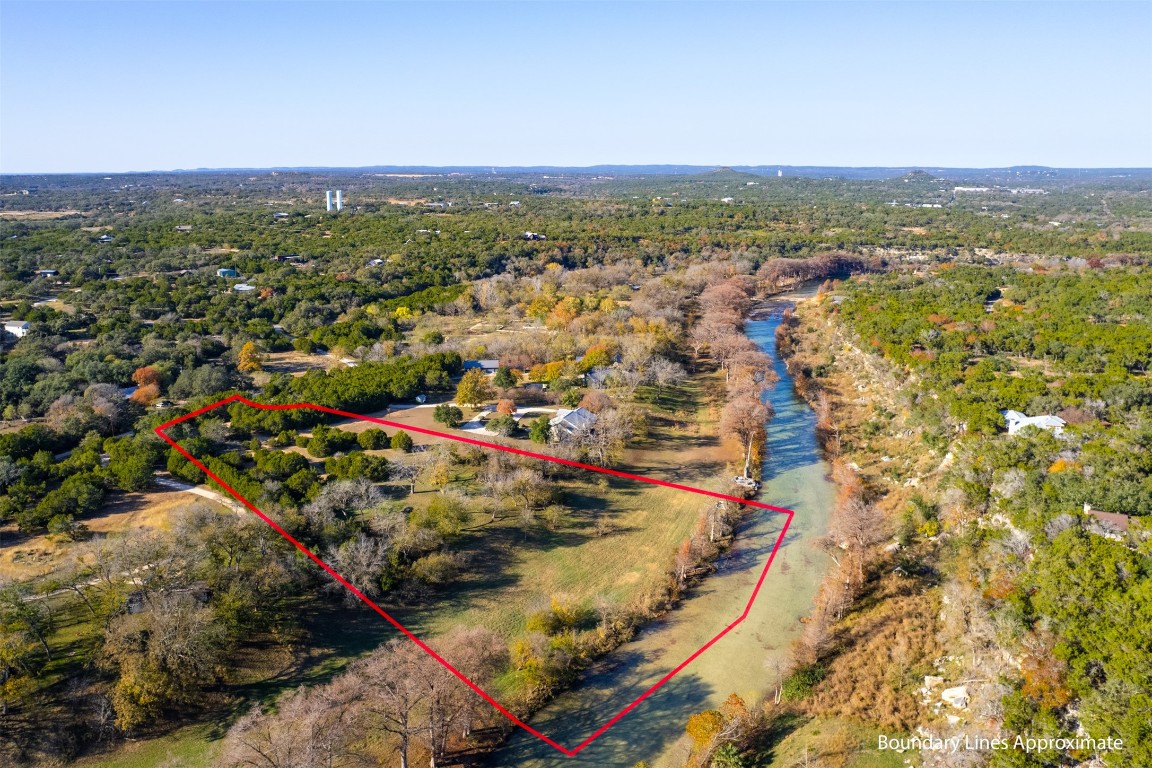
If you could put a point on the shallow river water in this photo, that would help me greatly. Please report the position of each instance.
(745, 660)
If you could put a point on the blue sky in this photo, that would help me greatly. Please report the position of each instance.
(121, 86)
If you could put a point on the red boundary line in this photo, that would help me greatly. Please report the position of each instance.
(543, 457)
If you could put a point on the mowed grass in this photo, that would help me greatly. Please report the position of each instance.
(193, 745)
(516, 569)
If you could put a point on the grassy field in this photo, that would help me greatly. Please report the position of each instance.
(515, 570)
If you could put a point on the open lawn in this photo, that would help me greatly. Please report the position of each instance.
(38, 215)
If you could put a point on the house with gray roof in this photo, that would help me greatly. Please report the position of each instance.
(568, 422)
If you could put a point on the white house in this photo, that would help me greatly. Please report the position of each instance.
(17, 328)
(567, 422)
(1016, 421)
(243, 287)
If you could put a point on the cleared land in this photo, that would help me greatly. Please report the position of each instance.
(23, 557)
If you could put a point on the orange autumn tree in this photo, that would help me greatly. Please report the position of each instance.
(146, 375)
(146, 394)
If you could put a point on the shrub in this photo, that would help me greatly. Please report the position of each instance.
(445, 514)
(402, 441)
(555, 517)
(540, 430)
(544, 622)
(448, 415)
(354, 465)
(801, 682)
(373, 439)
(437, 569)
(727, 756)
(503, 425)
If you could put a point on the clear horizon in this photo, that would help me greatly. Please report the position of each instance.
(118, 87)
(479, 167)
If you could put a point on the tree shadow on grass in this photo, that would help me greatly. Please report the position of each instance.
(573, 716)
(764, 750)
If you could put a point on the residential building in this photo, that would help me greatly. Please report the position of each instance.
(598, 377)
(1110, 525)
(487, 366)
(566, 422)
(1016, 421)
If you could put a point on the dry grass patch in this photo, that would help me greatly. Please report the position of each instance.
(28, 557)
(886, 650)
(38, 215)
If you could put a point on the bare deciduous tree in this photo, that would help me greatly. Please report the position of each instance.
(745, 418)
(603, 440)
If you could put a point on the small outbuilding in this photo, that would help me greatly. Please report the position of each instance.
(17, 328)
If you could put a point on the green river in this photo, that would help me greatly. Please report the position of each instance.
(745, 660)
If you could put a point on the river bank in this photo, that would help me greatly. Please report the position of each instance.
(747, 660)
